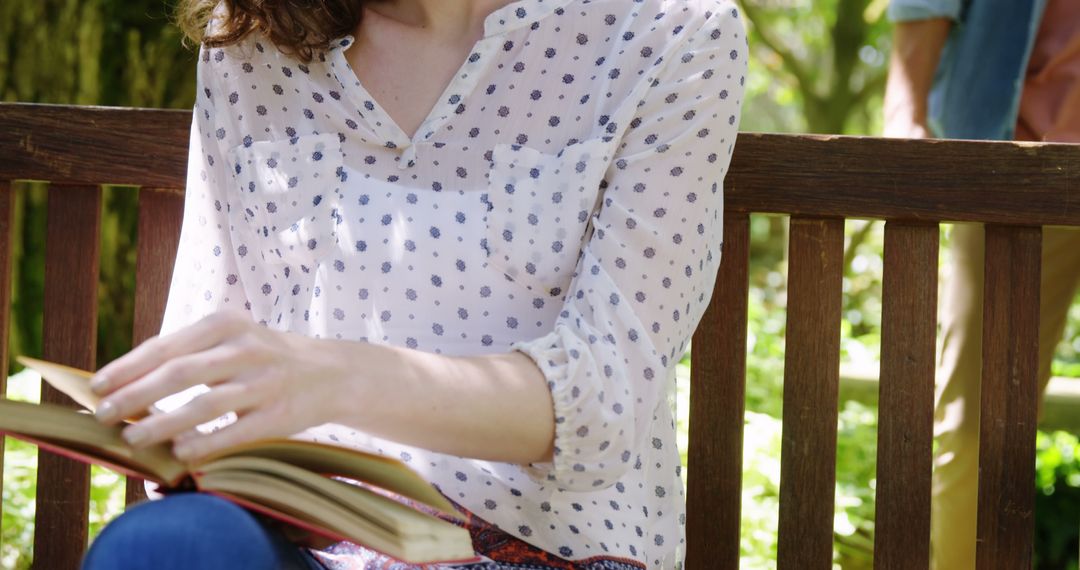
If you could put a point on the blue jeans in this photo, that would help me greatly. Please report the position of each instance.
(193, 530)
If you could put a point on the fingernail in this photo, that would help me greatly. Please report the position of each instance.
(97, 384)
(106, 412)
(134, 435)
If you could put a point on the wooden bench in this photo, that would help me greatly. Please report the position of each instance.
(818, 181)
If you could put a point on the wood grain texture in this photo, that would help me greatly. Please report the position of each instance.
(906, 401)
(718, 395)
(823, 176)
(1010, 395)
(161, 212)
(811, 385)
(72, 246)
(7, 208)
(897, 179)
(94, 145)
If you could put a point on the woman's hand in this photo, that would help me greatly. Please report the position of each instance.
(494, 407)
(277, 383)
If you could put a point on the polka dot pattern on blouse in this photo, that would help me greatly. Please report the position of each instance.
(563, 199)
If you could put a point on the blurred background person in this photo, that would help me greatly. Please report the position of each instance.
(981, 69)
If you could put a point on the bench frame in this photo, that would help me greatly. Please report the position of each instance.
(818, 181)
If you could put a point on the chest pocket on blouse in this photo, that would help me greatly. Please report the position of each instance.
(539, 206)
(289, 194)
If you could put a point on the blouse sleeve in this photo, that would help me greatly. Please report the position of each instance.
(205, 276)
(646, 274)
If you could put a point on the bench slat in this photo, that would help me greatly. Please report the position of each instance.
(49, 142)
(718, 396)
(72, 247)
(7, 208)
(906, 403)
(894, 179)
(161, 212)
(138, 147)
(811, 384)
(1010, 395)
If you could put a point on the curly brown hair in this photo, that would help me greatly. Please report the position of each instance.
(302, 28)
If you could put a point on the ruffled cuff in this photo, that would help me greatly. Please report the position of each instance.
(582, 459)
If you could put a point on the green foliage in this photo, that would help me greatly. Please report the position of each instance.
(116, 294)
(93, 52)
(1067, 362)
(107, 489)
(856, 481)
(20, 484)
(816, 65)
(1057, 501)
(20, 488)
(28, 269)
(761, 491)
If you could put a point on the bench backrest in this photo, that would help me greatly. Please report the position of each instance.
(818, 181)
(76, 150)
(913, 186)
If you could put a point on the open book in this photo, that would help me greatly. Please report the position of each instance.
(288, 480)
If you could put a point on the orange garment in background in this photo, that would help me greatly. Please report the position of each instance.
(1050, 102)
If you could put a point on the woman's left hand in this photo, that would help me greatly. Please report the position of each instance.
(277, 383)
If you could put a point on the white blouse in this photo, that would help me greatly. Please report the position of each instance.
(563, 199)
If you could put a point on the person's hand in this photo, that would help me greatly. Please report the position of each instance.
(904, 118)
(277, 383)
(906, 128)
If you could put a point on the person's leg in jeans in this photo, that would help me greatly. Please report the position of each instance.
(192, 530)
(956, 415)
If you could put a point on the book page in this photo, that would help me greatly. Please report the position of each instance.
(386, 513)
(384, 472)
(62, 429)
(73, 382)
(439, 541)
(332, 460)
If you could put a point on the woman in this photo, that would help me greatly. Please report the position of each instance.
(475, 235)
